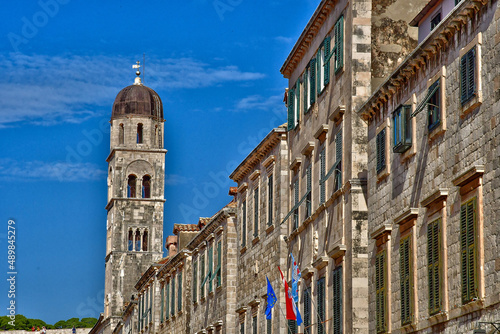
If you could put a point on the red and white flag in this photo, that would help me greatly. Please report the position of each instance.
(290, 309)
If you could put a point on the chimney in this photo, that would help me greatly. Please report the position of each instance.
(171, 245)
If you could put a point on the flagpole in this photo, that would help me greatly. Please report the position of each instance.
(286, 322)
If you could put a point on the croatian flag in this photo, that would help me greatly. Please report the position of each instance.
(295, 280)
(292, 312)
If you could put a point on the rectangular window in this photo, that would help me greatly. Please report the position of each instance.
(256, 212)
(167, 302)
(307, 89)
(405, 280)
(210, 268)
(294, 105)
(433, 266)
(218, 271)
(292, 327)
(244, 224)
(435, 20)
(380, 142)
(322, 174)
(380, 294)
(467, 76)
(195, 281)
(312, 82)
(338, 161)
(254, 325)
(321, 306)
(172, 309)
(162, 296)
(179, 294)
(242, 328)
(202, 275)
(433, 106)
(402, 129)
(270, 200)
(309, 192)
(323, 63)
(337, 301)
(468, 218)
(338, 48)
(307, 311)
(295, 202)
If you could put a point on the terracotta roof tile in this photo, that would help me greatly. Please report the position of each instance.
(185, 228)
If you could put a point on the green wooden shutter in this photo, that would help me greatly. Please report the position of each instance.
(195, 281)
(380, 143)
(326, 55)
(269, 325)
(292, 327)
(291, 115)
(244, 224)
(172, 300)
(322, 193)
(312, 82)
(297, 105)
(339, 44)
(338, 146)
(219, 263)
(202, 275)
(270, 200)
(380, 292)
(471, 64)
(179, 294)
(321, 306)
(337, 301)
(256, 212)
(308, 190)
(167, 302)
(405, 280)
(162, 295)
(305, 98)
(463, 78)
(318, 71)
(433, 260)
(210, 267)
(468, 249)
(307, 311)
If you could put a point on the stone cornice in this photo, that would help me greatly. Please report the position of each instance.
(259, 152)
(147, 277)
(418, 58)
(173, 263)
(308, 34)
(114, 199)
(151, 150)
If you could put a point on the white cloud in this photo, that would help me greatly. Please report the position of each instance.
(261, 103)
(46, 90)
(283, 39)
(53, 171)
(175, 180)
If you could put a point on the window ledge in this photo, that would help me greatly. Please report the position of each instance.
(472, 104)
(436, 131)
(383, 174)
(218, 288)
(243, 250)
(269, 229)
(211, 294)
(472, 306)
(438, 318)
(255, 240)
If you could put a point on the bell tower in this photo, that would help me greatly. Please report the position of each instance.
(136, 173)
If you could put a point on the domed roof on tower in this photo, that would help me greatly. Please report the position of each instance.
(138, 100)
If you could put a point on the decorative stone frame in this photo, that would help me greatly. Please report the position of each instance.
(441, 128)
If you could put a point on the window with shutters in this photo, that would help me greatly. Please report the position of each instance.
(405, 279)
(434, 266)
(295, 203)
(256, 212)
(162, 308)
(218, 270)
(468, 246)
(307, 311)
(172, 297)
(210, 268)
(270, 201)
(338, 45)
(293, 101)
(338, 162)
(179, 293)
(167, 301)
(308, 210)
(292, 327)
(380, 149)
(322, 176)
(433, 105)
(321, 305)
(381, 292)
(195, 281)
(402, 129)
(467, 76)
(202, 274)
(337, 300)
(323, 65)
(310, 85)
(243, 223)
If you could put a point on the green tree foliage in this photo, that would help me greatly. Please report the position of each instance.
(22, 322)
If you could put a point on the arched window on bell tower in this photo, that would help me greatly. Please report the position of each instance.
(146, 186)
(131, 186)
(145, 241)
(139, 133)
(137, 240)
(130, 240)
(121, 135)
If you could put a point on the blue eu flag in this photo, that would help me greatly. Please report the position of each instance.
(271, 299)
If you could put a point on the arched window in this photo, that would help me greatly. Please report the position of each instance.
(130, 240)
(137, 240)
(146, 186)
(121, 135)
(132, 180)
(139, 133)
(145, 241)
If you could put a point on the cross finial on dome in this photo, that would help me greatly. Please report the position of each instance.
(137, 80)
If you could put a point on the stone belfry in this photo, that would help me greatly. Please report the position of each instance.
(136, 174)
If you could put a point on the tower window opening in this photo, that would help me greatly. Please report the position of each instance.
(121, 135)
(145, 241)
(139, 133)
(160, 142)
(130, 240)
(137, 240)
(132, 180)
(146, 186)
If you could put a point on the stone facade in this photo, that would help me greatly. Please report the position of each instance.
(434, 252)
(262, 180)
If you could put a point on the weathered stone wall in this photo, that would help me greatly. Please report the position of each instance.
(468, 136)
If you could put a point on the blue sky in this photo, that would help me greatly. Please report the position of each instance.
(214, 63)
